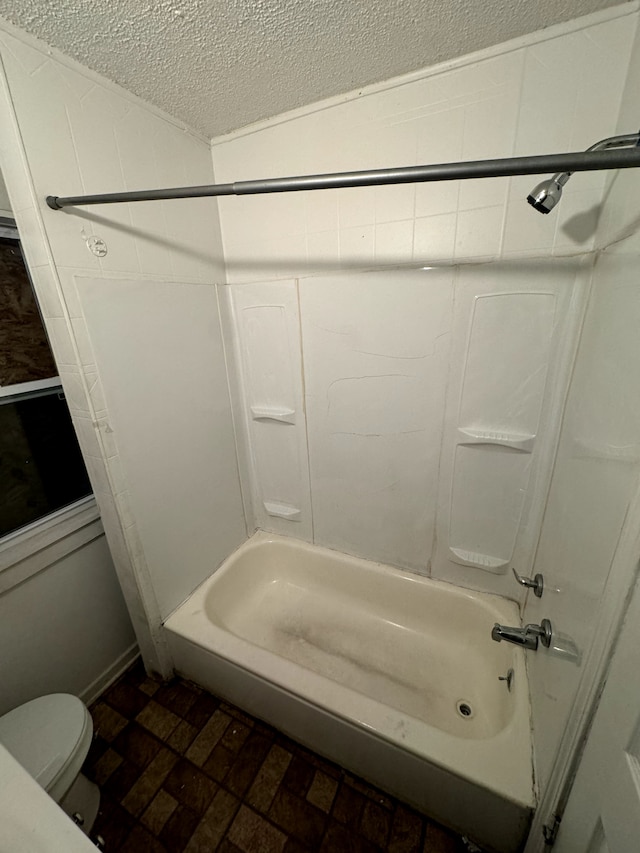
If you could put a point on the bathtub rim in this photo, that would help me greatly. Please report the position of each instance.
(472, 759)
(498, 825)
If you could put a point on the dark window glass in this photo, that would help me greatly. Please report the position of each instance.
(41, 468)
(24, 349)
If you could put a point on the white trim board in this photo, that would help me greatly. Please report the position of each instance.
(111, 674)
(29, 387)
(33, 548)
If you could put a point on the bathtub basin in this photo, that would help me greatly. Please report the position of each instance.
(390, 674)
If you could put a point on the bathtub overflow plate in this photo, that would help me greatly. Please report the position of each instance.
(464, 709)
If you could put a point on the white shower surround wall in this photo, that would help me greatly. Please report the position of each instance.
(396, 415)
(359, 475)
(557, 91)
(368, 665)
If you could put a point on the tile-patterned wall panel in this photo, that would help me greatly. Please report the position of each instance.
(619, 221)
(560, 93)
(96, 140)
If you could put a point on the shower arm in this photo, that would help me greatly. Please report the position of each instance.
(608, 154)
(625, 140)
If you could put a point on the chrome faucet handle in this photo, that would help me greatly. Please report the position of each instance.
(543, 631)
(527, 637)
(536, 583)
(508, 678)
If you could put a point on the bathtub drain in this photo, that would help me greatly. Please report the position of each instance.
(464, 709)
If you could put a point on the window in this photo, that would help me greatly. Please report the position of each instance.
(41, 467)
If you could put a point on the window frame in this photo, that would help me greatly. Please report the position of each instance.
(34, 547)
(9, 231)
(23, 550)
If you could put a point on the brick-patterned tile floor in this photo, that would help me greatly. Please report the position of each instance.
(180, 770)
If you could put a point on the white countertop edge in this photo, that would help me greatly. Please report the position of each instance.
(30, 819)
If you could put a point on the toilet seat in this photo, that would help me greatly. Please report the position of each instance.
(50, 737)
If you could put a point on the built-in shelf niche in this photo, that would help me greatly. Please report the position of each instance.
(273, 413)
(268, 350)
(276, 510)
(502, 388)
(515, 441)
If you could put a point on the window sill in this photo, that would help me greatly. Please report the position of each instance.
(38, 386)
(36, 546)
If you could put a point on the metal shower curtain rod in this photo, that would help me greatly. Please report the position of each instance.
(582, 161)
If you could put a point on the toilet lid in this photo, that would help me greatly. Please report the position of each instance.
(42, 735)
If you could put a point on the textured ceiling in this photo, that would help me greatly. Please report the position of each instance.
(221, 64)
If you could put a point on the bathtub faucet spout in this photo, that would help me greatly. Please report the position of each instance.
(529, 636)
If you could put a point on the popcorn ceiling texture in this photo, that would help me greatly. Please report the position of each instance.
(221, 64)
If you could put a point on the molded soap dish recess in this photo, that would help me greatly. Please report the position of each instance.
(515, 441)
(479, 561)
(273, 413)
(290, 513)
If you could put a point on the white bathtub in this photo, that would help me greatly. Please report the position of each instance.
(371, 666)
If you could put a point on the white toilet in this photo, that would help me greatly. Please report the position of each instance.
(50, 737)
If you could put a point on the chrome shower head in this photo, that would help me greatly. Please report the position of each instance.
(545, 195)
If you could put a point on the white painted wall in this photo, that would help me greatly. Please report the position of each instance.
(65, 130)
(64, 626)
(597, 472)
(160, 353)
(392, 365)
